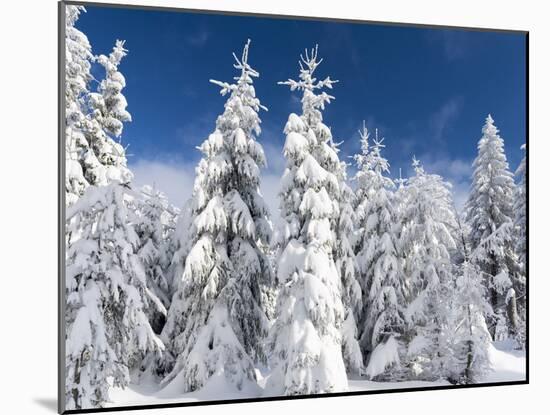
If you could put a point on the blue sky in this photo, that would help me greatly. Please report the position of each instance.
(428, 91)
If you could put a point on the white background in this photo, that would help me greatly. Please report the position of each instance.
(28, 170)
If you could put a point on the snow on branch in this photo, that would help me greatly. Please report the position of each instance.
(308, 65)
(245, 78)
(493, 242)
(417, 166)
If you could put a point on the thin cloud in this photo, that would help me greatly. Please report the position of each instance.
(454, 44)
(442, 119)
(269, 187)
(274, 155)
(198, 38)
(456, 171)
(196, 130)
(174, 178)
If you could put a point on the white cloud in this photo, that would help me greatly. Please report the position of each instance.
(173, 178)
(176, 178)
(460, 194)
(271, 176)
(275, 160)
(269, 187)
(456, 171)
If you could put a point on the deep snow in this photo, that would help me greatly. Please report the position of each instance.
(508, 365)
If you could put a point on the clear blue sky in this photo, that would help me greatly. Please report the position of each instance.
(428, 91)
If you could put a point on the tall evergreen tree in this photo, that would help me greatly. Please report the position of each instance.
(488, 208)
(467, 332)
(181, 244)
(108, 332)
(346, 265)
(154, 229)
(520, 210)
(78, 56)
(520, 223)
(305, 341)
(108, 114)
(426, 237)
(216, 325)
(377, 255)
(93, 119)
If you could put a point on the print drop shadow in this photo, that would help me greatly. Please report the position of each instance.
(48, 403)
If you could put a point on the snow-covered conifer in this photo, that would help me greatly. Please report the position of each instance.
(181, 243)
(426, 236)
(344, 258)
(78, 56)
(109, 112)
(466, 332)
(520, 223)
(93, 119)
(520, 210)
(154, 229)
(107, 330)
(377, 255)
(215, 324)
(488, 208)
(305, 340)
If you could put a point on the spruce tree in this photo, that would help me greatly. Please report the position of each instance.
(305, 341)
(93, 119)
(488, 208)
(216, 325)
(108, 114)
(107, 330)
(180, 244)
(78, 57)
(466, 332)
(346, 265)
(377, 255)
(154, 229)
(520, 210)
(426, 237)
(520, 223)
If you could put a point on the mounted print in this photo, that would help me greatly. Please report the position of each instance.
(260, 207)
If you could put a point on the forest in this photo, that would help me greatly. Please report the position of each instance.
(360, 277)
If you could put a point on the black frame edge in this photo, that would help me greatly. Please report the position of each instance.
(290, 398)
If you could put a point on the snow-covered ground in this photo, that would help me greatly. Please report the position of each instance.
(508, 365)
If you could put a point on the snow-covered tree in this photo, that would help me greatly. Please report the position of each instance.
(93, 119)
(306, 340)
(466, 332)
(180, 245)
(269, 291)
(488, 208)
(344, 258)
(377, 255)
(520, 223)
(520, 210)
(154, 229)
(216, 325)
(107, 330)
(108, 114)
(78, 57)
(427, 224)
